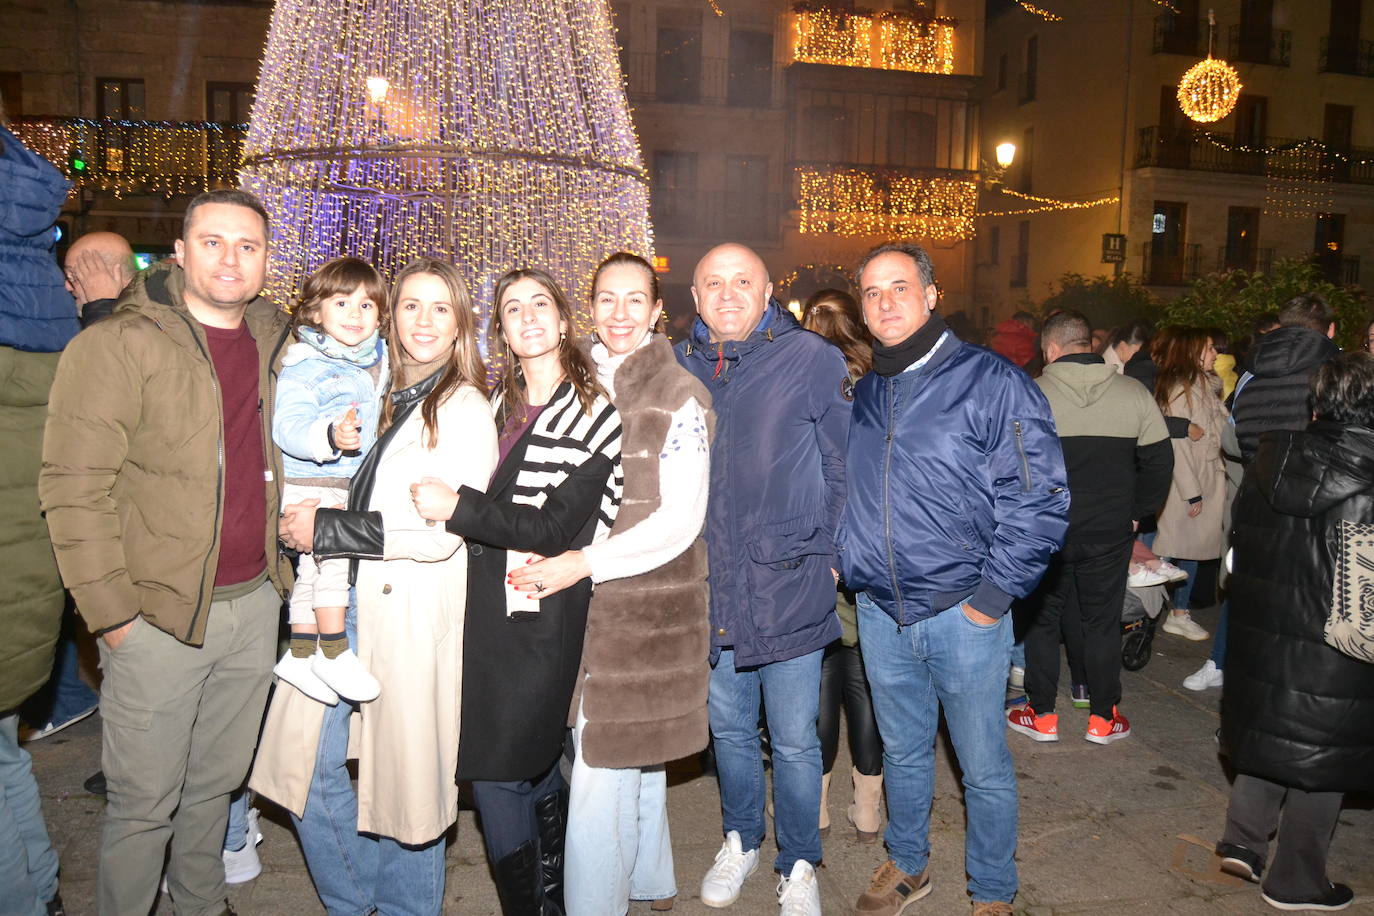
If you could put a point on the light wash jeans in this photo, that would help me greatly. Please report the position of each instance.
(950, 661)
(355, 873)
(28, 863)
(618, 847)
(791, 693)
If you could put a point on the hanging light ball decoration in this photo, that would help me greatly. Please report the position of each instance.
(1209, 90)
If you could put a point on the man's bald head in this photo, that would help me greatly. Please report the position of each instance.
(98, 266)
(731, 289)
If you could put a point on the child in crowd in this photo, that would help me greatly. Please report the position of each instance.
(327, 407)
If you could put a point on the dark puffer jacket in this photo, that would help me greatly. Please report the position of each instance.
(1293, 710)
(1273, 392)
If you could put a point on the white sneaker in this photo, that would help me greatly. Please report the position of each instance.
(1017, 677)
(722, 883)
(1209, 675)
(798, 893)
(1184, 625)
(346, 675)
(297, 673)
(243, 865)
(1142, 576)
(1165, 568)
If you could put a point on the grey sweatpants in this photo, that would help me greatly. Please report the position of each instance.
(180, 726)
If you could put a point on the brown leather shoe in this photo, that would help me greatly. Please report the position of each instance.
(991, 908)
(891, 892)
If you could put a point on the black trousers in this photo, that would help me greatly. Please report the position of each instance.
(507, 810)
(843, 682)
(1079, 601)
(1305, 826)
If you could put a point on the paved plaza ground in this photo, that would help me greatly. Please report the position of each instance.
(1123, 829)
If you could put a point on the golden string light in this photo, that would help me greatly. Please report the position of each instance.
(137, 157)
(1209, 90)
(1037, 11)
(1298, 183)
(502, 139)
(1167, 5)
(867, 202)
(821, 35)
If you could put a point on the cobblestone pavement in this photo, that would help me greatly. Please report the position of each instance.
(1122, 829)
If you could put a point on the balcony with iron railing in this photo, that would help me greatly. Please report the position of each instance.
(1177, 268)
(883, 40)
(1202, 151)
(1343, 270)
(1355, 58)
(1175, 34)
(1260, 46)
(137, 157)
(1252, 260)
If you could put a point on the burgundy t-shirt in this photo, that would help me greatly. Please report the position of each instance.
(242, 551)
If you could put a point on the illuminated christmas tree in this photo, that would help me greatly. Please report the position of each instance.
(492, 133)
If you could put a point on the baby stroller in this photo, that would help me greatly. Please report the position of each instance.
(1139, 618)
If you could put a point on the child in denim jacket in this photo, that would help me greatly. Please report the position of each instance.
(328, 402)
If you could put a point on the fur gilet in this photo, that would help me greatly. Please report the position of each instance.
(645, 658)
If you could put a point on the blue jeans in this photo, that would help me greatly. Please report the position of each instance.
(65, 696)
(236, 833)
(28, 863)
(618, 845)
(950, 661)
(1219, 637)
(1184, 593)
(356, 873)
(792, 699)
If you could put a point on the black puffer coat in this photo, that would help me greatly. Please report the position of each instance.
(1275, 394)
(1293, 710)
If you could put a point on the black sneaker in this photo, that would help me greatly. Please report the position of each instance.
(95, 783)
(55, 907)
(1240, 862)
(1337, 897)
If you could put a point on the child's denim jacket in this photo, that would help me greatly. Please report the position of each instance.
(313, 391)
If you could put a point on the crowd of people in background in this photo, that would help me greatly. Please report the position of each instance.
(551, 586)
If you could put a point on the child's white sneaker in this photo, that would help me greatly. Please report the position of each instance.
(297, 672)
(346, 675)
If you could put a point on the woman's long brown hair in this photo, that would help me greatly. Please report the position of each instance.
(464, 363)
(577, 366)
(834, 315)
(1177, 353)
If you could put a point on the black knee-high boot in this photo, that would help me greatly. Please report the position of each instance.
(520, 884)
(551, 813)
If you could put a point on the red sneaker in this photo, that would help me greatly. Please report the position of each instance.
(1105, 731)
(1040, 728)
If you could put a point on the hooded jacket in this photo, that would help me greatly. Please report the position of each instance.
(781, 398)
(1273, 392)
(36, 312)
(957, 487)
(1294, 710)
(133, 460)
(1116, 448)
(1015, 341)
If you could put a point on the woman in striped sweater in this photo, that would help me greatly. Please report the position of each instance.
(556, 487)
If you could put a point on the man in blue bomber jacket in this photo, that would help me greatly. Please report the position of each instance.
(957, 496)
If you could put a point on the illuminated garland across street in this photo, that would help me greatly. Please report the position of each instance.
(493, 135)
(877, 202)
(1037, 11)
(822, 35)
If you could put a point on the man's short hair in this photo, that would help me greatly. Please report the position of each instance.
(1068, 330)
(1343, 390)
(225, 196)
(1307, 310)
(924, 268)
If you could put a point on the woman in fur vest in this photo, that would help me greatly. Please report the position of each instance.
(642, 690)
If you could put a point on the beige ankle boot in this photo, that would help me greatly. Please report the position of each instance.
(825, 805)
(864, 813)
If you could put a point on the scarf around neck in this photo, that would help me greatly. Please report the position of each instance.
(890, 361)
(364, 354)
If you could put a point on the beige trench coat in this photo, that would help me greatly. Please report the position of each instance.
(1198, 471)
(410, 636)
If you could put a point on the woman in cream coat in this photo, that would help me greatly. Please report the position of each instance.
(411, 579)
(1191, 524)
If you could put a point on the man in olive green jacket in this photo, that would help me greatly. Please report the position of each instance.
(161, 491)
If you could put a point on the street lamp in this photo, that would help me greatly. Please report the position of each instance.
(1006, 154)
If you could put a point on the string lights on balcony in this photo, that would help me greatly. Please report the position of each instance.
(873, 202)
(884, 40)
